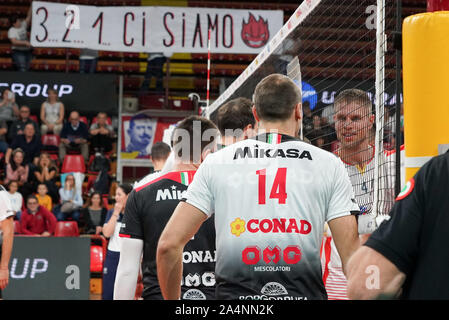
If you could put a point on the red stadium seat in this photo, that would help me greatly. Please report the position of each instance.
(109, 121)
(73, 163)
(96, 258)
(16, 226)
(66, 229)
(50, 140)
(34, 118)
(84, 119)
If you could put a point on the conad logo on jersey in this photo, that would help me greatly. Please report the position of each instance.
(275, 225)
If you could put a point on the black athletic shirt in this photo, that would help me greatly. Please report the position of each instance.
(414, 239)
(148, 209)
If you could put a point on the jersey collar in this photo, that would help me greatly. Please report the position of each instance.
(274, 138)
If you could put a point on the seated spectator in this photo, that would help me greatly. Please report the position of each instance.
(21, 46)
(3, 131)
(17, 170)
(16, 198)
(45, 173)
(52, 114)
(43, 198)
(74, 135)
(36, 220)
(94, 214)
(71, 201)
(101, 134)
(29, 142)
(18, 126)
(8, 107)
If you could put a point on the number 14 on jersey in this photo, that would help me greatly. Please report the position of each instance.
(277, 189)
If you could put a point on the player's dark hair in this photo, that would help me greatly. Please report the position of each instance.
(160, 151)
(275, 97)
(356, 96)
(235, 114)
(190, 125)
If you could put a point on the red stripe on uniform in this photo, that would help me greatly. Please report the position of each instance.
(121, 235)
(327, 255)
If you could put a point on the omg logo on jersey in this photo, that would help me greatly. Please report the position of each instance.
(270, 225)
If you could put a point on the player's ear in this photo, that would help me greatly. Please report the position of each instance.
(256, 117)
(298, 111)
(205, 153)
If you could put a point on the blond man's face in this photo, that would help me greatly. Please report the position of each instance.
(353, 123)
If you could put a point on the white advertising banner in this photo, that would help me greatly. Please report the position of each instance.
(153, 29)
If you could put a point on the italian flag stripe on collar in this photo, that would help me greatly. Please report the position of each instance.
(186, 177)
(274, 138)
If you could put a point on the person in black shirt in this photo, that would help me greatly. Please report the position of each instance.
(407, 255)
(148, 209)
(29, 142)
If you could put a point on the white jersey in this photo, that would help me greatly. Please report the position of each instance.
(6, 210)
(271, 196)
(362, 180)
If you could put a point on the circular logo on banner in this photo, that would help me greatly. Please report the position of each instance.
(407, 189)
(308, 94)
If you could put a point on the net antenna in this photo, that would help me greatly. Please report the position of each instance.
(294, 73)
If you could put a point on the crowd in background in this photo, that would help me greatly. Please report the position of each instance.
(31, 169)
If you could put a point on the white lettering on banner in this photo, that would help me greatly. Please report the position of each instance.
(35, 89)
(38, 266)
(198, 256)
(73, 280)
(152, 29)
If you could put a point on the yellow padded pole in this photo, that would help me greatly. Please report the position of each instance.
(425, 39)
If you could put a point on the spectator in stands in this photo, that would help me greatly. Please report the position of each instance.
(307, 121)
(140, 131)
(88, 60)
(101, 134)
(94, 214)
(43, 198)
(18, 126)
(8, 106)
(17, 170)
(71, 201)
(21, 46)
(111, 230)
(29, 142)
(16, 198)
(36, 220)
(155, 64)
(52, 114)
(74, 135)
(46, 173)
(3, 131)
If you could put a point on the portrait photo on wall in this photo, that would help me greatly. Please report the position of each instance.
(138, 133)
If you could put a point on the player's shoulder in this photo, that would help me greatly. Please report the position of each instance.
(182, 177)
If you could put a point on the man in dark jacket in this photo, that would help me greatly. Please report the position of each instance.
(74, 135)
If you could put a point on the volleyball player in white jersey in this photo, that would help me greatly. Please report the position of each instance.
(6, 237)
(354, 122)
(271, 196)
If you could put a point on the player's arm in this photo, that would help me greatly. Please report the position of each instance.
(7, 227)
(128, 269)
(346, 238)
(182, 226)
(371, 275)
(131, 237)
